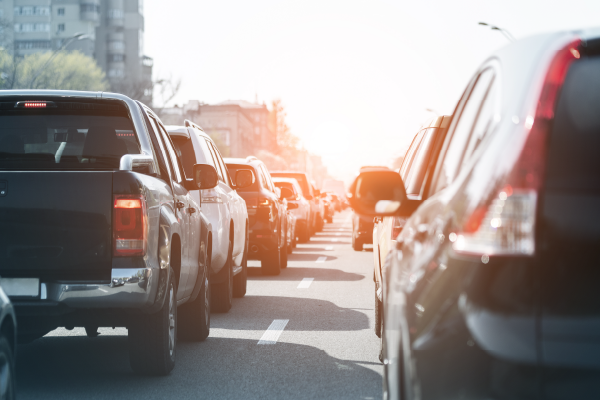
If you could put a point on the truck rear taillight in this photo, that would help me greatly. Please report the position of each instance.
(504, 223)
(129, 226)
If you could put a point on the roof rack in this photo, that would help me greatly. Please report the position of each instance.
(252, 158)
(190, 124)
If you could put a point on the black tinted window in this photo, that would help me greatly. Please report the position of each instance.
(185, 151)
(56, 138)
(414, 181)
(573, 160)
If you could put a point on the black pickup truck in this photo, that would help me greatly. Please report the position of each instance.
(97, 227)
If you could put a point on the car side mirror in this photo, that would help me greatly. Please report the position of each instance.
(243, 178)
(286, 193)
(317, 193)
(308, 197)
(377, 194)
(205, 176)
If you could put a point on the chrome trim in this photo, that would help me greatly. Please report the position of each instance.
(131, 161)
(128, 288)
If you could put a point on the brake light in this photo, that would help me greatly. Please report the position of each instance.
(505, 223)
(35, 104)
(129, 226)
(397, 225)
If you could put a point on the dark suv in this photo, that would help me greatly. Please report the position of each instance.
(267, 215)
(492, 291)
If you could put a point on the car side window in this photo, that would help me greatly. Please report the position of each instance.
(268, 178)
(215, 161)
(416, 173)
(263, 179)
(408, 158)
(460, 130)
(163, 150)
(484, 124)
(224, 169)
(170, 149)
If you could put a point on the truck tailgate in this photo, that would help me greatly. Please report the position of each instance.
(56, 225)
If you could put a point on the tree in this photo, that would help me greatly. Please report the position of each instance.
(285, 141)
(66, 71)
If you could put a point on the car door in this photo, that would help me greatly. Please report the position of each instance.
(236, 204)
(183, 205)
(423, 294)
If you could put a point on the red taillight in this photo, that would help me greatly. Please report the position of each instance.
(397, 225)
(129, 226)
(504, 223)
(35, 105)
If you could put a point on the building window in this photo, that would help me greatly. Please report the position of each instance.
(116, 57)
(61, 27)
(60, 11)
(115, 14)
(32, 44)
(38, 27)
(116, 46)
(115, 73)
(90, 8)
(32, 10)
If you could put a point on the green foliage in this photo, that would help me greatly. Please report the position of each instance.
(60, 71)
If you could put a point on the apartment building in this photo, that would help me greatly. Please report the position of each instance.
(111, 31)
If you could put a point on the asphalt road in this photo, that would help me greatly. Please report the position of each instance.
(327, 348)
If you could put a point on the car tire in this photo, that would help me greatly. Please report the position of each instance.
(194, 317)
(153, 338)
(290, 246)
(7, 370)
(240, 281)
(356, 244)
(283, 255)
(271, 263)
(319, 224)
(378, 316)
(303, 235)
(222, 293)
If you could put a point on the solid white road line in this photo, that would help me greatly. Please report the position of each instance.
(334, 240)
(329, 248)
(305, 284)
(321, 259)
(338, 234)
(273, 332)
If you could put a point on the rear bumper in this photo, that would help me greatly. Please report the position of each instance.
(129, 288)
(365, 237)
(261, 243)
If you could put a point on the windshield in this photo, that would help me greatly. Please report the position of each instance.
(53, 139)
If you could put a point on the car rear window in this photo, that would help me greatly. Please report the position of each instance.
(301, 178)
(288, 185)
(68, 136)
(233, 168)
(573, 161)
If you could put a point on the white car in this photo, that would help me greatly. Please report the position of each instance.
(298, 205)
(225, 210)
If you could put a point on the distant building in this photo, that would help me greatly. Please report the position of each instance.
(113, 34)
(239, 128)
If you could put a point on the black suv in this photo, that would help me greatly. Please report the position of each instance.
(267, 215)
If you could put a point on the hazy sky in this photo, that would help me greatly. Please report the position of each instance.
(355, 76)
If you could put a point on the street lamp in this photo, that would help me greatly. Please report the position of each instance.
(506, 33)
(77, 36)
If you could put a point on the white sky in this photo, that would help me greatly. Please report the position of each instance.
(355, 76)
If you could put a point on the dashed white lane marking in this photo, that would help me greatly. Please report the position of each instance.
(321, 259)
(305, 284)
(273, 332)
(329, 248)
(334, 240)
(338, 234)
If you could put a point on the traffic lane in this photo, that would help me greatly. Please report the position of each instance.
(327, 349)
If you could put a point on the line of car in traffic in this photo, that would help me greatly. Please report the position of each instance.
(110, 218)
(485, 240)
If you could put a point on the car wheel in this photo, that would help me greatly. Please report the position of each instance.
(194, 317)
(378, 315)
(222, 293)
(283, 255)
(356, 244)
(153, 338)
(8, 384)
(240, 281)
(290, 246)
(303, 236)
(319, 224)
(271, 263)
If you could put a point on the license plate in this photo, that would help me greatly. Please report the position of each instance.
(21, 286)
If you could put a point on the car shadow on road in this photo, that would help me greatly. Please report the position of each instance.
(298, 273)
(310, 257)
(98, 368)
(305, 314)
(326, 242)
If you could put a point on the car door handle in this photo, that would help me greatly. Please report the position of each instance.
(179, 204)
(191, 210)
